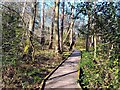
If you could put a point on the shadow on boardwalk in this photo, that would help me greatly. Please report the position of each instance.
(63, 75)
(66, 75)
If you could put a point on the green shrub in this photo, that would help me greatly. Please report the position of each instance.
(98, 73)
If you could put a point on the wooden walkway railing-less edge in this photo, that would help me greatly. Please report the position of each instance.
(42, 85)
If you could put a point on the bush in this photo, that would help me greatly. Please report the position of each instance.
(98, 73)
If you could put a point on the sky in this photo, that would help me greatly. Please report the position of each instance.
(51, 3)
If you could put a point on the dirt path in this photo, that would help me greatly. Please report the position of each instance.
(66, 75)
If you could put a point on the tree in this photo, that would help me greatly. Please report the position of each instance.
(33, 29)
(42, 24)
(52, 30)
(57, 32)
(88, 31)
(94, 31)
(71, 28)
(62, 27)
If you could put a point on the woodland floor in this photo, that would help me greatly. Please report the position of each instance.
(29, 74)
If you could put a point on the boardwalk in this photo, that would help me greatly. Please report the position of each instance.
(66, 75)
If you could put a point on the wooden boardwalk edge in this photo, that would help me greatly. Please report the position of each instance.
(42, 85)
(67, 75)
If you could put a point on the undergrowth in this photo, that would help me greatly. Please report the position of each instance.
(99, 73)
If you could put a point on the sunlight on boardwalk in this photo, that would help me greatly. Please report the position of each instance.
(66, 75)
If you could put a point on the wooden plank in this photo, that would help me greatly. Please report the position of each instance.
(66, 75)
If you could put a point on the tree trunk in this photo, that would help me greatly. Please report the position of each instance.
(42, 25)
(57, 48)
(33, 29)
(23, 10)
(52, 29)
(62, 27)
(95, 36)
(95, 45)
(29, 48)
(87, 35)
(35, 11)
(92, 42)
(68, 34)
(71, 35)
(71, 29)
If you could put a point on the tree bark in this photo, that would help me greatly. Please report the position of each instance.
(35, 11)
(71, 28)
(29, 48)
(68, 33)
(95, 36)
(87, 35)
(71, 36)
(33, 29)
(95, 45)
(52, 30)
(23, 10)
(62, 27)
(57, 48)
(42, 24)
